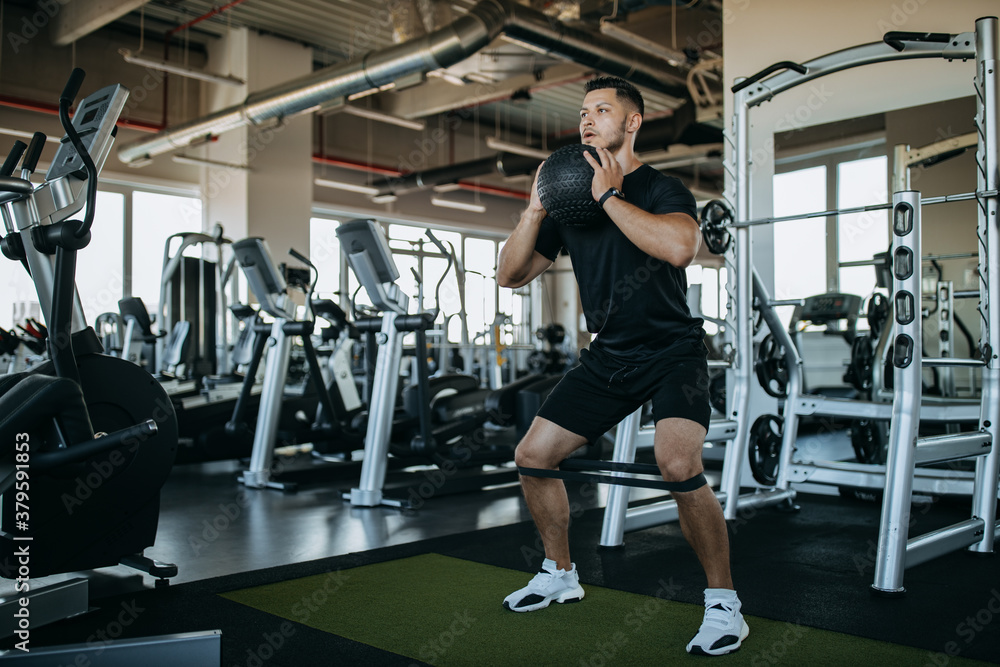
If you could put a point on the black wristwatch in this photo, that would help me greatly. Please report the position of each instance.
(612, 192)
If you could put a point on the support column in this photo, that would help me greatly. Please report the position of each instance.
(907, 352)
(988, 227)
(273, 197)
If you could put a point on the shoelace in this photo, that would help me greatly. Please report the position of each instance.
(718, 615)
(542, 579)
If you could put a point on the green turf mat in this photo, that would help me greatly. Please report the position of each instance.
(447, 611)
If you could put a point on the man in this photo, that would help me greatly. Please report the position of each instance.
(648, 346)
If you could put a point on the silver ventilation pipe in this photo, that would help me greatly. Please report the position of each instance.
(442, 48)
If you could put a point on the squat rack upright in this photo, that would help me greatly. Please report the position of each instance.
(895, 551)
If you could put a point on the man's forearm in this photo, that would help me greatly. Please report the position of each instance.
(672, 237)
(516, 257)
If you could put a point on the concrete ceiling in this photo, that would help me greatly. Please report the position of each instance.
(533, 95)
(533, 98)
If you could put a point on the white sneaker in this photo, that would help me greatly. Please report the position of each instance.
(723, 628)
(549, 585)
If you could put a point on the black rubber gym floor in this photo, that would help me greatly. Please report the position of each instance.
(811, 569)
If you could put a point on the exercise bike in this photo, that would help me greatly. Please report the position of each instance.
(88, 439)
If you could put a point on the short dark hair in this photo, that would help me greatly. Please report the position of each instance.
(624, 90)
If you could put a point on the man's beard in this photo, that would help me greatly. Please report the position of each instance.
(617, 141)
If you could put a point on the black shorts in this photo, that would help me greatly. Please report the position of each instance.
(601, 391)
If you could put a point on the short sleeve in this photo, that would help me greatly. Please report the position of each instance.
(549, 241)
(670, 196)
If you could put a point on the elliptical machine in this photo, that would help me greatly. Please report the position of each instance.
(338, 402)
(88, 439)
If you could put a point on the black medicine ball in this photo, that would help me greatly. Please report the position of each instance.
(564, 187)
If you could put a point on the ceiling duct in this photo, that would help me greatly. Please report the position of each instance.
(439, 49)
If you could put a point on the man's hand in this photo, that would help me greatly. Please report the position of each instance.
(607, 174)
(535, 207)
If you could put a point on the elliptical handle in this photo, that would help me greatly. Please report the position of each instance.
(12, 158)
(34, 152)
(72, 88)
(435, 241)
(299, 256)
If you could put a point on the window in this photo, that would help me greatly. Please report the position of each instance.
(155, 217)
(480, 284)
(708, 283)
(809, 254)
(861, 235)
(799, 245)
(99, 270)
(100, 267)
(18, 300)
(324, 251)
(413, 251)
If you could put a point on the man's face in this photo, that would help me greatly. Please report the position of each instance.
(603, 119)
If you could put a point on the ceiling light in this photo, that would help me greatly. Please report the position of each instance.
(680, 162)
(675, 58)
(524, 44)
(204, 162)
(447, 187)
(27, 135)
(381, 117)
(183, 70)
(384, 199)
(349, 187)
(371, 91)
(459, 205)
(517, 149)
(445, 75)
(479, 77)
(681, 156)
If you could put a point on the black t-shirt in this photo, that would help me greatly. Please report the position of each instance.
(635, 303)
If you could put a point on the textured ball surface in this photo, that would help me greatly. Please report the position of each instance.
(564, 187)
